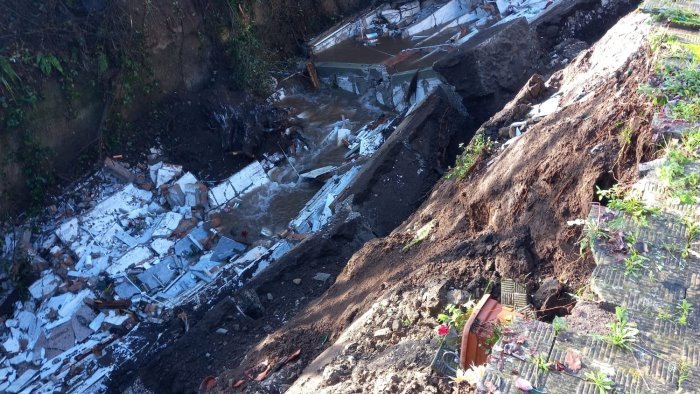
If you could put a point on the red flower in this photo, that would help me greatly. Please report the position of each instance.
(443, 330)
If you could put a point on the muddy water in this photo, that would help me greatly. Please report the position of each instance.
(271, 207)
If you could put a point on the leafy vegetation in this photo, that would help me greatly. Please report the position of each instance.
(600, 380)
(248, 59)
(634, 262)
(540, 362)
(630, 203)
(456, 316)
(692, 232)
(683, 374)
(8, 76)
(48, 63)
(676, 81)
(684, 308)
(678, 17)
(623, 333)
(36, 169)
(592, 232)
(465, 161)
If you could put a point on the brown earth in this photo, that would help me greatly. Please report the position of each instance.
(507, 218)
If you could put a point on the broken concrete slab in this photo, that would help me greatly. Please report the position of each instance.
(167, 224)
(225, 249)
(160, 274)
(321, 276)
(45, 287)
(166, 173)
(243, 263)
(24, 380)
(126, 290)
(319, 172)
(133, 258)
(119, 171)
(162, 246)
(238, 184)
(317, 212)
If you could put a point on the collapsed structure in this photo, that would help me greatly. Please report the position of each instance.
(152, 245)
(388, 53)
(145, 248)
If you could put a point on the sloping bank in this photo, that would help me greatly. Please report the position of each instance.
(391, 186)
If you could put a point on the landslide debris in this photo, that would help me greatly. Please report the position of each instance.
(506, 218)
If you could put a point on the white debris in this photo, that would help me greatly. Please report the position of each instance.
(166, 173)
(44, 287)
(318, 172)
(97, 322)
(11, 345)
(22, 381)
(168, 223)
(135, 257)
(316, 212)
(114, 319)
(238, 184)
(162, 246)
(244, 262)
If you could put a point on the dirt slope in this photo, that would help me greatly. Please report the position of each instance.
(507, 218)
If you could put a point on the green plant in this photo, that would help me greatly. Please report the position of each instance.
(540, 362)
(592, 231)
(689, 110)
(683, 374)
(559, 324)
(634, 262)
(691, 140)
(623, 333)
(600, 380)
(36, 168)
(456, 316)
(466, 160)
(102, 64)
(684, 308)
(629, 203)
(678, 16)
(48, 63)
(664, 315)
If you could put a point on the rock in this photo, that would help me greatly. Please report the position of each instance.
(432, 296)
(249, 303)
(221, 331)
(269, 297)
(395, 325)
(331, 376)
(650, 165)
(296, 281)
(382, 333)
(456, 297)
(322, 276)
(549, 287)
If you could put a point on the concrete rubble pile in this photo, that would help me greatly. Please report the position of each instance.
(145, 246)
(388, 53)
